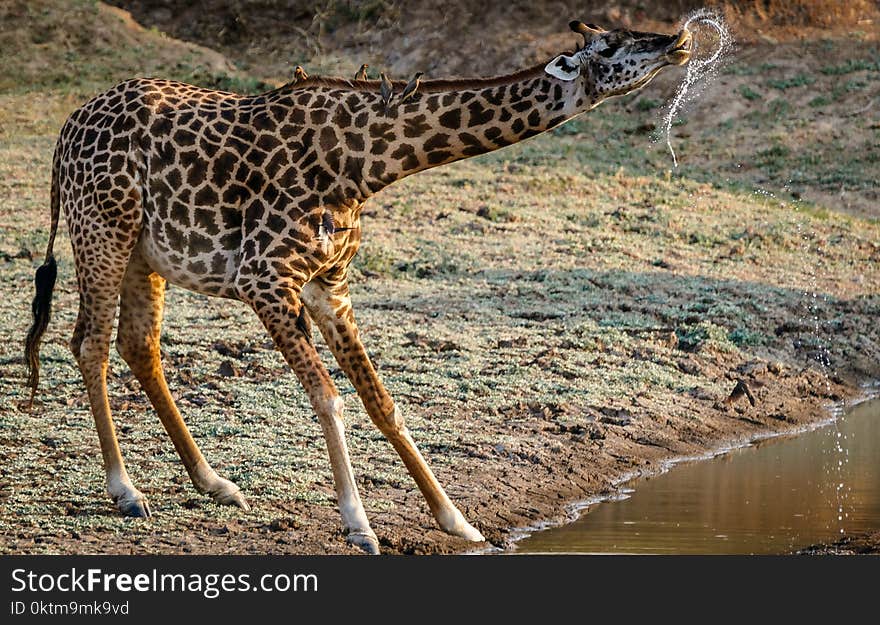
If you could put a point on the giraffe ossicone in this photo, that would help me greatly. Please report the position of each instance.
(259, 198)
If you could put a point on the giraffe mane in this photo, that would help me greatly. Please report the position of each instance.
(426, 86)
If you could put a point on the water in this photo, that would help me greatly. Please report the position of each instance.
(773, 497)
(699, 68)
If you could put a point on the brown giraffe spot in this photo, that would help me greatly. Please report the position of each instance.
(173, 236)
(276, 223)
(439, 156)
(479, 114)
(256, 181)
(198, 267)
(223, 166)
(180, 213)
(439, 140)
(382, 131)
(415, 126)
(206, 196)
(289, 130)
(276, 163)
(354, 167)
(492, 133)
(451, 119)
(341, 118)
(264, 123)
(407, 155)
(328, 139)
(377, 169)
(184, 137)
(354, 141)
(298, 116)
(267, 142)
(316, 178)
(204, 219)
(218, 264)
(534, 118)
(333, 158)
(195, 175)
(288, 179)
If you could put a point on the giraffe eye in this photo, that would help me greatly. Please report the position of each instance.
(607, 52)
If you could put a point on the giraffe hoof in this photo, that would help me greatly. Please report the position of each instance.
(221, 490)
(134, 507)
(468, 532)
(366, 541)
(234, 498)
(458, 526)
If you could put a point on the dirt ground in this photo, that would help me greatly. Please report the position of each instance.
(551, 318)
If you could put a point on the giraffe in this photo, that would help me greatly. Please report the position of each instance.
(258, 199)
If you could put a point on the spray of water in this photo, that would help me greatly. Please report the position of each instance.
(699, 67)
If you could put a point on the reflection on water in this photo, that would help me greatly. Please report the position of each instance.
(771, 498)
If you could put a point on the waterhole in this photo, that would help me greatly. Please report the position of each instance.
(772, 497)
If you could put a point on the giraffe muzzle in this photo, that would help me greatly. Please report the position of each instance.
(680, 51)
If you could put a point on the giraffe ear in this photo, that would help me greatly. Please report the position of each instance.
(564, 67)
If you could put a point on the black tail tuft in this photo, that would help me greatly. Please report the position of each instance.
(41, 306)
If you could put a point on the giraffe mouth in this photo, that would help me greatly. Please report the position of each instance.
(680, 51)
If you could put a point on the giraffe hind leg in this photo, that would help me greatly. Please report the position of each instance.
(99, 272)
(137, 341)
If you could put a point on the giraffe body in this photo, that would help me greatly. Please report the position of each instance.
(258, 198)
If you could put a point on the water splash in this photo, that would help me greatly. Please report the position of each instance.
(821, 353)
(697, 68)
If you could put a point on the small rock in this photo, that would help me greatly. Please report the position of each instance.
(753, 368)
(228, 370)
(740, 390)
(776, 367)
(615, 416)
(282, 525)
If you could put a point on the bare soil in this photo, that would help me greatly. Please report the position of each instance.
(551, 318)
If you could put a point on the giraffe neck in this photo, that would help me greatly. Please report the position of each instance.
(353, 146)
(449, 121)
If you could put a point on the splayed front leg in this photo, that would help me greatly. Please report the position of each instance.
(329, 306)
(449, 518)
(290, 331)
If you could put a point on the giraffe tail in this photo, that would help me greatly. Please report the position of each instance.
(44, 281)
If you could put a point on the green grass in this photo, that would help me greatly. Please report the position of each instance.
(749, 94)
(850, 66)
(799, 80)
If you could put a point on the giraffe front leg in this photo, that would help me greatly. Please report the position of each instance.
(330, 307)
(288, 328)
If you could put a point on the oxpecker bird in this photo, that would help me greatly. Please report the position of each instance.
(362, 72)
(386, 89)
(299, 74)
(410, 90)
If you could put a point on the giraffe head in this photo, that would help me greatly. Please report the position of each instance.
(616, 62)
